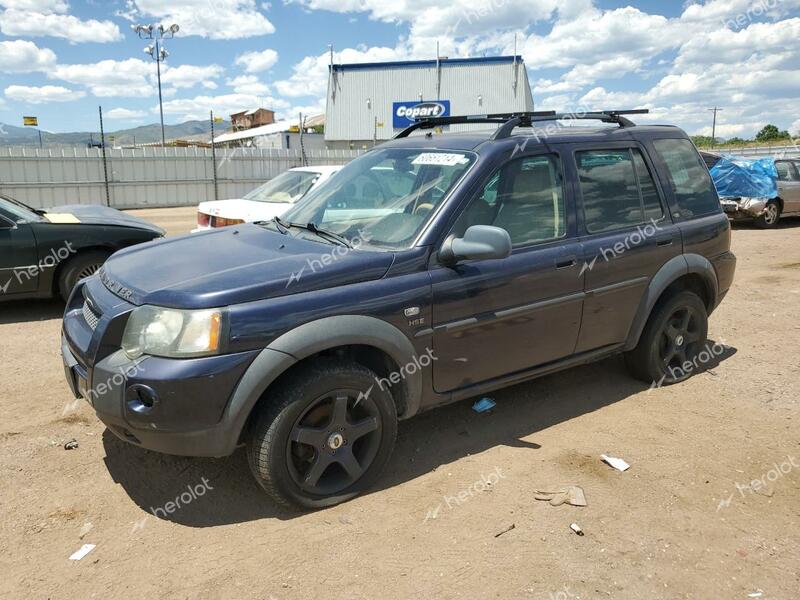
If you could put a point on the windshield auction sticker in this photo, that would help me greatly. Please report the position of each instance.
(441, 159)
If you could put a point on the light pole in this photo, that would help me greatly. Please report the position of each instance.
(158, 53)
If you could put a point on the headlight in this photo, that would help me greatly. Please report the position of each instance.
(173, 333)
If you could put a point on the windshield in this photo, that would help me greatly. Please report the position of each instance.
(286, 187)
(384, 198)
(17, 212)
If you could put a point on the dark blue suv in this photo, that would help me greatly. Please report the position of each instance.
(432, 269)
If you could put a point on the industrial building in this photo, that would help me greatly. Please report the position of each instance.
(249, 119)
(371, 102)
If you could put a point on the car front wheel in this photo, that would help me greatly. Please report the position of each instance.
(770, 217)
(83, 265)
(323, 436)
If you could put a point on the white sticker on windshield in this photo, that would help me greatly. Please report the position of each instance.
(441, 159)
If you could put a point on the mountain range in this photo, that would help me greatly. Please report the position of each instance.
(11, 135)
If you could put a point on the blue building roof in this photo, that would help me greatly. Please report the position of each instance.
(412, 64)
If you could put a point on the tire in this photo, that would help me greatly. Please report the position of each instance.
(675, 334)
(302, 446)
(771, 216)
(82, 265)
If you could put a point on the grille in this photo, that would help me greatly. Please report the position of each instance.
(90, 316)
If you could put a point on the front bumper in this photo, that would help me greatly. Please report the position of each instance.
(174, 406)
(743, 208)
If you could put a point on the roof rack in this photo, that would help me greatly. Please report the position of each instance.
(510, 121)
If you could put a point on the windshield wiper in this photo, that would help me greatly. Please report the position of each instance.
(281, 226)
(284, 226)
(329, 234)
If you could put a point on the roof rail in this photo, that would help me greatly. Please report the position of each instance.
(500, 118)
(510, 121)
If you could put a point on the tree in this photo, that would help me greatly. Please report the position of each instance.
(771, 133)
(703, 141)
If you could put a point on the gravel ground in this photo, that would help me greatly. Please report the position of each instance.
(708, 509)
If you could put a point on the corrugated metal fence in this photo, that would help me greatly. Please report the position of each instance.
(761, 151)
(145, 177)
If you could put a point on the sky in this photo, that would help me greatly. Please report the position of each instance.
(61, 59)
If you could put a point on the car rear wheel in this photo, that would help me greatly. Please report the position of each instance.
(324, 435)
(82, 265)
(671, 341)
(772, 214)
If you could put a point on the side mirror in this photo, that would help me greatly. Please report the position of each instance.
(480, 242)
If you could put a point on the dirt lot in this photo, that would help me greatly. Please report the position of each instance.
(688, 520)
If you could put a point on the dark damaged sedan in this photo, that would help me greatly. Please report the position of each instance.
(45, 253)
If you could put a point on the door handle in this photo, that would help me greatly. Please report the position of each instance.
(566, 263)
(664, 242)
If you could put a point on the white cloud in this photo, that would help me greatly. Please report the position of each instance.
(214, 19)
(42, 95)
(125, 113)
(253, 62)
(310, 76)
(248, 84)
(224, 105)
(46, 18)
(186, 76)
(131, 77)
(724, 46)
(20, 56)
(46, 6)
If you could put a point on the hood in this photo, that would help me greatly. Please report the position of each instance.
(90, 214)
(234, 265)
(247, 210)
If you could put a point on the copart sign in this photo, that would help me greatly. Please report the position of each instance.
(405, 113)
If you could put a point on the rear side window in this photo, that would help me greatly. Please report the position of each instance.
(786, 171)
(617, 189)
(694, 191)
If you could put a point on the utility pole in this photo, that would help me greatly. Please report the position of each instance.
(105, 159)
(715, 110)
(214, 157)
(158, 53)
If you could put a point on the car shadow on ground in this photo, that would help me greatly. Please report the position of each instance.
(26, 311)
(209, 492)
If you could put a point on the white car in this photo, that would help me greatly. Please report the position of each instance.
(269, 200)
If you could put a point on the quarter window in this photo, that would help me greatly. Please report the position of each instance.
(617, 189)
(694, 191)
(525, 198)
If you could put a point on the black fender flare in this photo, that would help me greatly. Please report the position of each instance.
(309, 339)
(671, 271)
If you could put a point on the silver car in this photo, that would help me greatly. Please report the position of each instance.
(766, 212)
